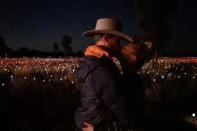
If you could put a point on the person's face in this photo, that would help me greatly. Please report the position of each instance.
(114, 43)
(129, 52)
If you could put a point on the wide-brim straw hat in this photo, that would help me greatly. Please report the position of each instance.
(108, 26)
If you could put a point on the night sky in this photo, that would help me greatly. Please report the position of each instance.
(37, 24)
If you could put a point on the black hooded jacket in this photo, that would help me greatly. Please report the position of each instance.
(102, 97)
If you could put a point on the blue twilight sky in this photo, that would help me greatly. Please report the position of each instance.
(37, 24)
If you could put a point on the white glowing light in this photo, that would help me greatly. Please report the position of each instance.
(11, 76)
(193, 114)
(2, 84)
(169, 74)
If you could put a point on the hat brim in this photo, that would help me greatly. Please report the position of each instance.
(91, 33)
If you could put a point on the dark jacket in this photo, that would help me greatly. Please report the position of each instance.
(102, 98)
(134, 90)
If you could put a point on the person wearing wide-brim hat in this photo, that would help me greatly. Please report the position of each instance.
(103, 104)
(108, 26)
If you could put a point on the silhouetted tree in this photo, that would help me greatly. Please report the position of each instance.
(2, 42)
(56, 47)
(66, 44)
(23, 52)
(5, 51)
(56, 51)
(153, 15)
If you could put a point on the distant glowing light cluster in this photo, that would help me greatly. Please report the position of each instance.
(30, 69)
(61, 69)
(167, 68)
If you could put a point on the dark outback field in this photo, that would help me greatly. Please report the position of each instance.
(42, 94)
